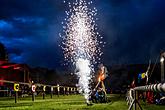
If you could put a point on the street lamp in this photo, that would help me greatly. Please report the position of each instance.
(58, 89)
(162, 56)
(162, 59)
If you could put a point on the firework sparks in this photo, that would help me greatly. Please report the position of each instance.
(80, 41)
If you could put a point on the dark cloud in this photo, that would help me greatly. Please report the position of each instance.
(133, 30)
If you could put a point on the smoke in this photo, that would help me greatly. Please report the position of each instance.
(84, 74)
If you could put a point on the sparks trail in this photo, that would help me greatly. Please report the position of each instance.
(80, 41)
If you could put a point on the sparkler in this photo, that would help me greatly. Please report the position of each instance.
(80, 41)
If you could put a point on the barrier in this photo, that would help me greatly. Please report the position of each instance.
(132, 99)
(153, 87)
(34, 86)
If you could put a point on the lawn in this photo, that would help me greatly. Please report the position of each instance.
(71, 102)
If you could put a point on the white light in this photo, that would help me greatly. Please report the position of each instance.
(162, 59)
(80, 37)
(84, 74)
(80, 42)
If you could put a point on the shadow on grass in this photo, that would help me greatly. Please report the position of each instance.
(115, 98)
(15, 105)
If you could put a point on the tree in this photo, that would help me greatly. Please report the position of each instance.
(3, 53)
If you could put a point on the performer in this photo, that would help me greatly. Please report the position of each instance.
(102, 75)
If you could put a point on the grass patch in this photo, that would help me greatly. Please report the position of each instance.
(71, 102)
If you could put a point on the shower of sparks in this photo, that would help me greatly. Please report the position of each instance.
(80, 41)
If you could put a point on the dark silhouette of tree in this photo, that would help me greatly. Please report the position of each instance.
(3, 53)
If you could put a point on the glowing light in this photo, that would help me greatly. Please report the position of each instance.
(162, 59)
(80, 41)
(5, 66)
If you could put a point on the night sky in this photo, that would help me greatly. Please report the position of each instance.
(134, 30)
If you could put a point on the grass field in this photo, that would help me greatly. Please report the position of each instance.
(72, 102)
